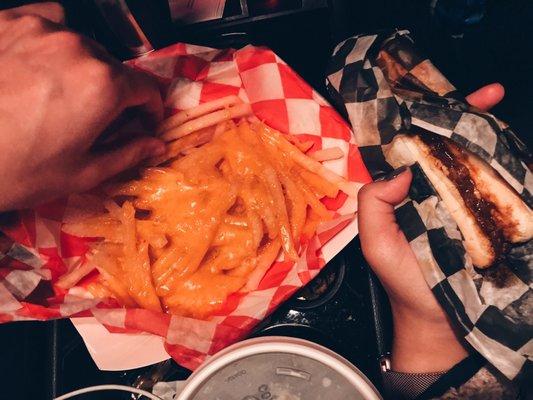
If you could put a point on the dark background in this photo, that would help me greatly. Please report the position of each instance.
(499, 48)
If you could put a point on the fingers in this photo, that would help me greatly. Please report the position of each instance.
(142, 91)
(106, 165)
(487, 97)
(376, 215)
(51, 11)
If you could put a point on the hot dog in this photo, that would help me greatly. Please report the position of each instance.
(488, 211)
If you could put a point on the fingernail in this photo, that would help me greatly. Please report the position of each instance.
(393, 174)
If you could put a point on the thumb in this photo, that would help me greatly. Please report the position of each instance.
(106, 165)
(487, 97)
(378, 230)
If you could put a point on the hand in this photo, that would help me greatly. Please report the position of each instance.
(58, 92)
(424, 339)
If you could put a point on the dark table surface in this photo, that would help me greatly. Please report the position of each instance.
(497, 49)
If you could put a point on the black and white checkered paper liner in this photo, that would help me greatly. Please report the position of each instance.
(384, 86)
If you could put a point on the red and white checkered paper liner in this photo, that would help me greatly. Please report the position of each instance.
(38, 252)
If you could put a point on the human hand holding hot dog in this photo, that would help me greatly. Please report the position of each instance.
(424, 339)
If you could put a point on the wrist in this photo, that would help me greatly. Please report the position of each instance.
(424, 344)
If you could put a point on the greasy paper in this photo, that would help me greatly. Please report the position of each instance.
(385, 86)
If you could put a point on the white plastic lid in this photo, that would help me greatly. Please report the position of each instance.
(278, 368)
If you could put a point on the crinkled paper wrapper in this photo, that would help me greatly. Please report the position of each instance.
(35, 251)
(385, 86)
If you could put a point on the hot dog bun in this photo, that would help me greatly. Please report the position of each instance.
(513, 215)
(488, 211)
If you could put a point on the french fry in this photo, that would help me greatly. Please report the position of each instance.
(236, 220)
(128, 225)
(205, 108)
(259, 200)
(187, 261)
(200, 295)
(237, 111)
(255, 224)
(264, 262)
(230, 197)
(115, 286)
(146, 297)
(76, 274)
(152, 232)
(101, 226)
(303, 146)
(333, 153)
(221, 128)
(113, 209)
(274, 186)
(311, 224)
(245, 268)
(297, 206)
(162, 266)
(228, 234)
(105, 257)
(136, 263)
(226, 258)
(284, 164)
(310, 198)
(324, 187)
(176, 147)
(99, 290)
(199, 161)
(305, 162)
(181, 268)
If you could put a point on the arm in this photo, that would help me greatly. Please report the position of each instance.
(424, 340)
(58, 92)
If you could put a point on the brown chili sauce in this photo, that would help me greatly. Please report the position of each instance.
(482, 209)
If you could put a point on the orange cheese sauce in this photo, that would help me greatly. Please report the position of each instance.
(184, 236)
